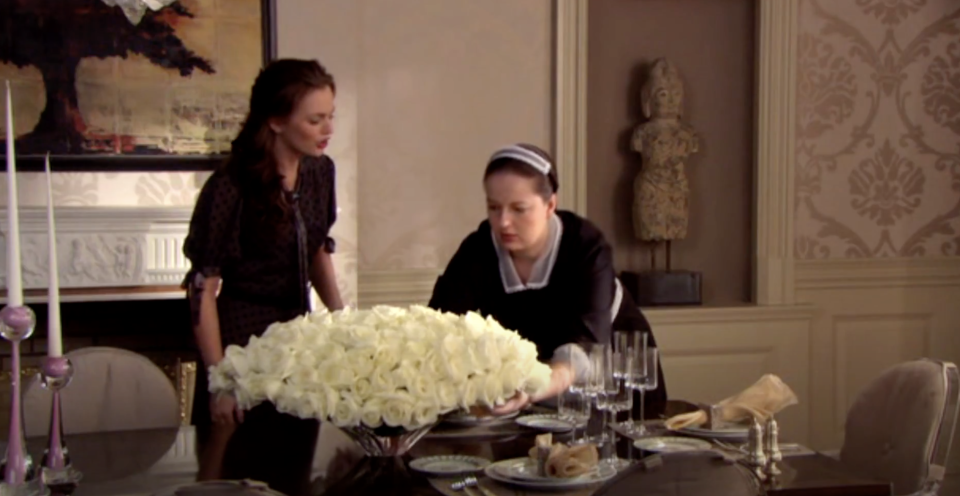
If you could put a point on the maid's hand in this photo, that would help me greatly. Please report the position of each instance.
(518, 402)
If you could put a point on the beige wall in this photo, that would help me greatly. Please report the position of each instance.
(442, 85)
(712, 44)
(878, 164)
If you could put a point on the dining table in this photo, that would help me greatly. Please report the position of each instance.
(293, 457)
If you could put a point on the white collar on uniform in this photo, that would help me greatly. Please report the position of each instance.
(542, 268)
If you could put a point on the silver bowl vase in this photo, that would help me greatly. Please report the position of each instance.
(386, 441)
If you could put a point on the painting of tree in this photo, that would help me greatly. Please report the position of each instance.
(53, 37)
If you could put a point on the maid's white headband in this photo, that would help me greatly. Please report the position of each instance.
(524, 155)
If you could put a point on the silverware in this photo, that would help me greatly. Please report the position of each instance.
(471, 481)
(462, 485)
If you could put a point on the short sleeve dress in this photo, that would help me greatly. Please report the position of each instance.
(262, 282)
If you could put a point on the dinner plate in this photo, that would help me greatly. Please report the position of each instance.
(449, 465)
(546, 422)
(522, 472)
(472, 420)
(219, 488)
(672, 444)
(725, 434)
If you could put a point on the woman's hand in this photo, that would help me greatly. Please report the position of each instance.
(224, 409)
(560, 379)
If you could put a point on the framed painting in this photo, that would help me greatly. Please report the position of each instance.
(131, 85)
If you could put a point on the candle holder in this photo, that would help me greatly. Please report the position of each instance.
(20, 476)
(57, 469)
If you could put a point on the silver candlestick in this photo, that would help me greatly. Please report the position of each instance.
(57, 469)
(20, 475)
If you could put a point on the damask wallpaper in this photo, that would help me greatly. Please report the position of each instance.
(878, 130)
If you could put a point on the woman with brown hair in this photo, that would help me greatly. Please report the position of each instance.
(544, 272)
(260, 232)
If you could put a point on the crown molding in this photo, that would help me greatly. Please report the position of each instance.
(570, 102)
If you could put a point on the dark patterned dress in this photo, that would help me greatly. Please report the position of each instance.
(264, 269)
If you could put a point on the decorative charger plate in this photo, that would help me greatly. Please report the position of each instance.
(727, 433)
(546, 422)
(672, 444)
(449, 465)
(522, 472)
(472, 420)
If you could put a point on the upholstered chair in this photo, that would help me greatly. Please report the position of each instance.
(901, 426)
(112, 390)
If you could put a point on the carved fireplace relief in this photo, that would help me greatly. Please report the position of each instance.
(133, 250)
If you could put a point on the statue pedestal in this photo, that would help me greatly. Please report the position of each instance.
(662, 288)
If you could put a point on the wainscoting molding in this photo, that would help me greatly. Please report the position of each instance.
(712, 353)
(870, 315)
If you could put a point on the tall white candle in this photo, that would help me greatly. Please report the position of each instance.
(14, 276)
(54, 335)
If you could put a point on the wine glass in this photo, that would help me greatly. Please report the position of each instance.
(615, 397)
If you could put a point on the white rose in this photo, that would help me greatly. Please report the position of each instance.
(488, 353)
(423, 415)
(361, 388)
(382, 380)
(371, 413)
(468, 394)
(387, 356)
(398, 409)
(294, 403)
(337, 373)
(537, 379)
(447, 396)
(346, 413)
(305, 376)
(419, 386)
(489, 389)
(512, 376)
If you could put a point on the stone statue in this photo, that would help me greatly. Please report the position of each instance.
(661, 192)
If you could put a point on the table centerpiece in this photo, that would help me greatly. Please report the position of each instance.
(383, 375)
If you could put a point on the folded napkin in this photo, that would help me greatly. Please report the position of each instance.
(562, 461)
(765, 398)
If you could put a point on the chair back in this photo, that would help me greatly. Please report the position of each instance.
(112, 390)
(901, 425)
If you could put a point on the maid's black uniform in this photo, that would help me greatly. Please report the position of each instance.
(264, 269)
(572, 295)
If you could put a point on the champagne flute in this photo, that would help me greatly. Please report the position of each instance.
(628, 343)
(646, 379)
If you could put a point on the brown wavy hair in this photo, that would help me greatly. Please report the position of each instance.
(276, 92)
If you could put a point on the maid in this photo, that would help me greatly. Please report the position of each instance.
(546, 273)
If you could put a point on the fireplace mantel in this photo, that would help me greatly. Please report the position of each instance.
(104, 253)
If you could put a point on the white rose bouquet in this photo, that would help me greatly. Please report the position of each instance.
(386, 366)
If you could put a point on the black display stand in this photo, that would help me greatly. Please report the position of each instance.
(661, 288)
(655, 287)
